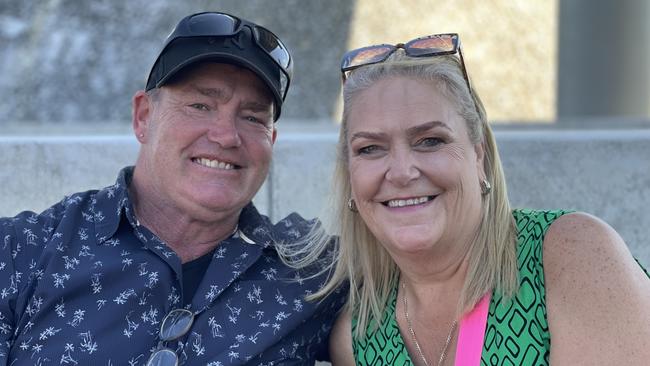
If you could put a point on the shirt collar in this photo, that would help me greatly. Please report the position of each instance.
(110, 203)
(254, 228)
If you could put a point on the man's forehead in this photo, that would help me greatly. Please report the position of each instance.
(210, 79)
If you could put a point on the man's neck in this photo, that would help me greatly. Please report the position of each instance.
(188, 236)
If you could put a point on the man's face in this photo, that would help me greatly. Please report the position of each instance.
(206, 141)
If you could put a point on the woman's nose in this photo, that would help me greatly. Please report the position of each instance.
(402, 168)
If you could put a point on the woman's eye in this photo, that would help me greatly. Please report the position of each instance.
(366, 150)
(430, 142)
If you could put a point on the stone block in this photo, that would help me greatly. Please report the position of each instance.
(602, 172)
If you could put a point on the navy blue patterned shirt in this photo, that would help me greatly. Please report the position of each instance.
(83, 283)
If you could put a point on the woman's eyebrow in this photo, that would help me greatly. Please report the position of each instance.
(426, 126)
(415, 130)
(368, 135)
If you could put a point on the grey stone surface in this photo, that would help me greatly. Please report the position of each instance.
(36, 172)
(603, 172)
(81, 61)
(300, 174)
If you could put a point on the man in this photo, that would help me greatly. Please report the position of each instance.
(173, 264)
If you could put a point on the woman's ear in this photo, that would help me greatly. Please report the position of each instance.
(479, 149)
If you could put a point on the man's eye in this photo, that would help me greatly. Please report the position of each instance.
(259, 120)
(200, 106)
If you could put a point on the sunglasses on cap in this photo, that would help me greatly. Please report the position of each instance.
(216, 24)
(427, 46)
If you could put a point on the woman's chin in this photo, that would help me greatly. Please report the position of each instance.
(412, 243)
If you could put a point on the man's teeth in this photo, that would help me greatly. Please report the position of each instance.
(214, 163)
(408, 202)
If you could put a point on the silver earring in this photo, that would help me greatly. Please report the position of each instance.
(486, 187)
(141, 135)
(352, 206)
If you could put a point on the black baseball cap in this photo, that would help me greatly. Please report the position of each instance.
(221, 37)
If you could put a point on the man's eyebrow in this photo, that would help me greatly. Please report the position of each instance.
(217, 93)
(220, 94)
(256, 106)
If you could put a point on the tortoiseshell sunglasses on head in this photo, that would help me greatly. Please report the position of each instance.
(427, 46)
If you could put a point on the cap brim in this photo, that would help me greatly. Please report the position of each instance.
(228, 58)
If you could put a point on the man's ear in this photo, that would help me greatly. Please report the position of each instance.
(275, 134)
(141, 110)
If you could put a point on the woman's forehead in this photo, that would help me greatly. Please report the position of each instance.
(401, 103)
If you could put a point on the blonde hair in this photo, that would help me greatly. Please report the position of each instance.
(361, 259)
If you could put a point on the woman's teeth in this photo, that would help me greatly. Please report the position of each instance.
(409, 202)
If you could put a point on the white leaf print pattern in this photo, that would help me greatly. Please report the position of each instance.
(83, 264)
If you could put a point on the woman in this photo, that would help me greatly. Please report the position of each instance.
(441, 270)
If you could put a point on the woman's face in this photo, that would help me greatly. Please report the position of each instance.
(414, 173)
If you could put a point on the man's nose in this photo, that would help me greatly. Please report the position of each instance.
(224, 131)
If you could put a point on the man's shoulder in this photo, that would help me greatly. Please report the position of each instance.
(25, 236)
(57, 209)
(295, 225)
(76, 205)
(76, 201)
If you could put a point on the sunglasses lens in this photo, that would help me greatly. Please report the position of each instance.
(435, 44)
(163, 357)
(365, 56)
(176, 324)
(284, 84)
(273, 46)
(212, 24)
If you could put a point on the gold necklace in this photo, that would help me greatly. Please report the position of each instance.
(443, 354)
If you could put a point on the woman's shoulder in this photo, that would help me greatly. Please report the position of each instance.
(578, 236)
(587, 248)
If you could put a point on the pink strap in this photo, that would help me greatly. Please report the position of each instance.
(471, 334)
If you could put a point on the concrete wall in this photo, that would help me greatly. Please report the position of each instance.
(603, 172)
(81, 61)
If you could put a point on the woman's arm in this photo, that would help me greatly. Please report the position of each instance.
(341, 341)
(598, 298)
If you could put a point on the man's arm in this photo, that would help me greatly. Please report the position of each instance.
(9, 280)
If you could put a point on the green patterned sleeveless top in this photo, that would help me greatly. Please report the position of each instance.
(517, 331)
